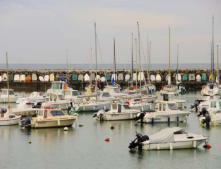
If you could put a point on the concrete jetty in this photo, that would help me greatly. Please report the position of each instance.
(40, 80)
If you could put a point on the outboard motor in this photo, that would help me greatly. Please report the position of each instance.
(140, 117)
(203, 112)
(100, 114)
(26, 122)
(207, 120)
(138, 141)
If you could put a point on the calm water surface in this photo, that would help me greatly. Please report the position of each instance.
(85, 148)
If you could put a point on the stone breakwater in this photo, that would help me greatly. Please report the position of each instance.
(40, 80)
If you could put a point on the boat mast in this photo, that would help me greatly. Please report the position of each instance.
(169, 75)
(114, 61)
(7, 79)
(149, 59)
(138, 32)
(136, 62)
(177, 63)
(95, 39)
(217, 64)
(132, 55)
(212, 50)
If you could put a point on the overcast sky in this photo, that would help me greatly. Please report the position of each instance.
(45, 31)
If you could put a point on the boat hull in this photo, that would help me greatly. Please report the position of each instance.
(119, 116)
(53, 123)
(9, 122)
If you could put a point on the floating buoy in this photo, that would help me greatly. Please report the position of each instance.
(66, 129)
(29, 142)
(80, 125)
(112, 127)
(208, 146)
(107, 139)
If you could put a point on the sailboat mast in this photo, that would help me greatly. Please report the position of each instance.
(177, 62)
(217, 64)
(169, 76)
(115, 69)
(7, 79)
(132, 54)
(149, 59)
(136, 62)
(95, 39)
(212, 50)
(138, 32)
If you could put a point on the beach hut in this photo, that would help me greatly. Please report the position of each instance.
(204, 77)
(120, 76)
(34, 77)
(198, 78)
(74, 77)
(98, 78)
(4, 77)
(114, 76)
(41, 78)
(103, 79)
(80, 77)
(0, 78)
(108, 76)
(141, 76)
(127, 77)
(192, 77)
(158, 78)
(46, 78)
(16, 78)
(134, 76)
(86, 78)
(22, 78)
(152, 78)
(51, 77)
(184, 77)
(10, 76)
(178, 77)
(28, 78)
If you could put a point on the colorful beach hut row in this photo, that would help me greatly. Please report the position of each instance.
(87, 77)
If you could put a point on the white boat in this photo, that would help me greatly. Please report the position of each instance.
(210, 89)
(70, 94)
(141, 104)
(48, 118)
(4, 96)
(7, 118)
(211, 115)
(32, 98)
(118, 111)
(168, 139)
(165, 112)
(92, 105)
(114, 91)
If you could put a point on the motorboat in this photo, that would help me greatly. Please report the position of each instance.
(165, 112)
(7, 118)
(114, 91)
(48, 118)
(92, 105)
(168, 139)
(70, 94)
(212, 114)
(32, 98)
(141, 104)
(118, 111)
(57, 87)
(210, 89)
(7, 95)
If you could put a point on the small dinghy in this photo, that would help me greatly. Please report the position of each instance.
(168, 139)
(8, 119)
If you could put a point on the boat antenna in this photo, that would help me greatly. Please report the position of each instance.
(7, 79)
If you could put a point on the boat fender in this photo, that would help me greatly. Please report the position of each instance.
(207, 146)
(66, 129)
(112, 127)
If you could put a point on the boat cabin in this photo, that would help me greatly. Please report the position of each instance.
(44, 113)
(165, 106)
(7, 91)
(119, 107)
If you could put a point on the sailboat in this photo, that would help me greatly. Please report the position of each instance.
(6, 117)
(211, 88)
(93, 104)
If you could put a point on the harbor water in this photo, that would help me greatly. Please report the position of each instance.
(84, 147)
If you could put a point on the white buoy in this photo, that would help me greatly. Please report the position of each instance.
(66, 129)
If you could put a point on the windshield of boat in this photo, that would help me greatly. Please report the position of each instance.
(213, 104)
(11, 92)
(117, 90)
(106, 94)
(126, 106)
(57, 86)
(172, 106)
(57, 113)
(75, 93)
(180, 132)
(67, 93)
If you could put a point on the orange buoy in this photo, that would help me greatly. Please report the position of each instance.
(208, 146)
(107, 139)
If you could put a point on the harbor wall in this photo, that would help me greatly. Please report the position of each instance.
(40, 80)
